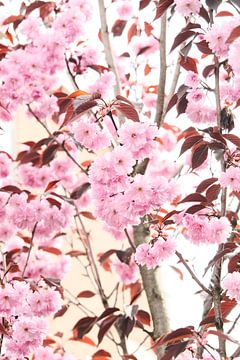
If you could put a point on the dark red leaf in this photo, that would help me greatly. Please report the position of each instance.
(195, 197)
(189, 142)
(105, 325)
(79, 191)
(221, 335)
(182, 105)
(227, 306)
(176, 335)
(143, 4)
(83, 326)
(203, 47)
(208, 70)
(49, 153)
(118, 27)
(234, 34)
(148, 28)
(144, 317)
(128, 111)
(233, 138)
(124, 99)
(181, 37)
(11, 188)
(37, 5)
(228, 248)
(234, 264)
(143, 50)
(205, 184)
(135, 291)
(195, 208)
(162, 6)
(204, 14)
(224, 13)
(107, 312)
(61, 312)
(86, 294)
(172, 102)
(125, 325)
(75, 253)
(188, 63)
(199, 155)
(213, 192)
(106, 255)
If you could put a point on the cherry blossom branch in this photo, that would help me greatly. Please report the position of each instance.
(55, 139)
(154, 296)
(73, 78)
(195, 278)
(163, 72)
(30, 249)
(107, 45)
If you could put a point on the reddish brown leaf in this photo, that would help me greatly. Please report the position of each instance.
(221, 335)
(148, 28)
(107, 312)
(181, 37)
(100, 354)
(51, 250)
(86, 340)
(118, 27)
(189, 142)
(195, 197)
(86, 294)
(135, 291)
(208, 70)
(234, 264)
(188, 63)
(227, 248)
(224, 13)
(11, 19)
(105, 326)
(213, 192)
(195, 208)
(83, 326)
(61, 312)
(49, 153)
(79, 191)
(128, 111)
(132, 32)
(172, 102)
(51, 185)
(162, 6)
(227, 306)
(176, 335)
(143, 4)
(87, 214)
(233, 138)
(205, 184)
(147, 69)
(37, 5)
(143, 317)
(75, 253)
(203, 47)
(11, 188)
(199, 155)
(234, 34)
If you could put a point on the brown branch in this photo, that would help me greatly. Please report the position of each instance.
(163, 72)
(107, 45)
(30, 249)
(195, 278)
(154, 296)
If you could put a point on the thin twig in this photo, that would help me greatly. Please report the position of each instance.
(30, 249)
(195, 278)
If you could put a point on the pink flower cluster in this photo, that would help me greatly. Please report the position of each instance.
(89, 134)
(230, 178)
(152, 255)
(199, 112)
(231, 283)
(31, 80)
(127, 273)
(138, 138)
(203, 230)
(25, 311)
(188, 7)
(121, 200)
(104, 85)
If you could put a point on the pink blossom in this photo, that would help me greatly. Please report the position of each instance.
(230, 178)
(44, 302)
(125, 9)
(188, 7)
(5, 165)
(153, 255)
(195, 95)
(231, 283)
(138, 138)
(217, 37)
(104, 84)
(90, 135)
(201, 113)
(233, 56)
(192, 79)
(127, 273)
